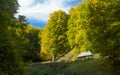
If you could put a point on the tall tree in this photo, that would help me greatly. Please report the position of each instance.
(94, 24)
(103, 29)
(77, 28)
(54, 39)
(10, 60)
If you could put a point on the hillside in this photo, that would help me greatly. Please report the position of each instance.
(88, 67)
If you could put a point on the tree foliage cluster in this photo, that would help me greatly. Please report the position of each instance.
(92, 25)
(19, 42)
(104, 30)
(95, 25)
(54, 38)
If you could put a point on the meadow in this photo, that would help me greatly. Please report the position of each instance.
(88, 67)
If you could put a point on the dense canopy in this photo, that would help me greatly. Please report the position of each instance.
(92, 25)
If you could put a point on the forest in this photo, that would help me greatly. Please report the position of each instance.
(92, 25)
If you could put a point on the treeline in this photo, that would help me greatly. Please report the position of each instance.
(19, 42)
(92, 25)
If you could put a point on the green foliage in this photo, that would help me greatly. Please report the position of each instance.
(77, 25)
(94, 25)
(54, 38)
(14, 40)
(10, 60)
(32, 47)
(8, 8)
(103, 32)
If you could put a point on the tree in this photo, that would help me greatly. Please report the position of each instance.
(10, 60)
(103, 29)
(94, 24)
(32, 48)
(77, 29)
(28, 40)
(54, 38)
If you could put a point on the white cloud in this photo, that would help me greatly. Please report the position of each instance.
(38, 10)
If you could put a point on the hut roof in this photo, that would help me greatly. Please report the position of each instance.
(84, 54)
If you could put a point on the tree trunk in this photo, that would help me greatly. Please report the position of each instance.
(53, 57)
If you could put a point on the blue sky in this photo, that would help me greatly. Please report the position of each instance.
(37, 11)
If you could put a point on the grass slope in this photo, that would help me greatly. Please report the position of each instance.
(89, 67)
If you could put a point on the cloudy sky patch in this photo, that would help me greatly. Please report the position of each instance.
(39, 10)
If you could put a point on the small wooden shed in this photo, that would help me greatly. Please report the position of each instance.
(85, 55)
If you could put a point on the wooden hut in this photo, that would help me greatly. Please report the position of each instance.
(85, 55)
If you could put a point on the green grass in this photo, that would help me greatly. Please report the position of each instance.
(46, 69)
(89, 67)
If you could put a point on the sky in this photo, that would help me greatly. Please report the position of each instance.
(37, 11)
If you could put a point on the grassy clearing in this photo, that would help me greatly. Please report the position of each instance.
(89, 67)
(46, 69)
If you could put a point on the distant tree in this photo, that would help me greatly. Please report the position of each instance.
(54, 39)
(22, 19)
(33, 45)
